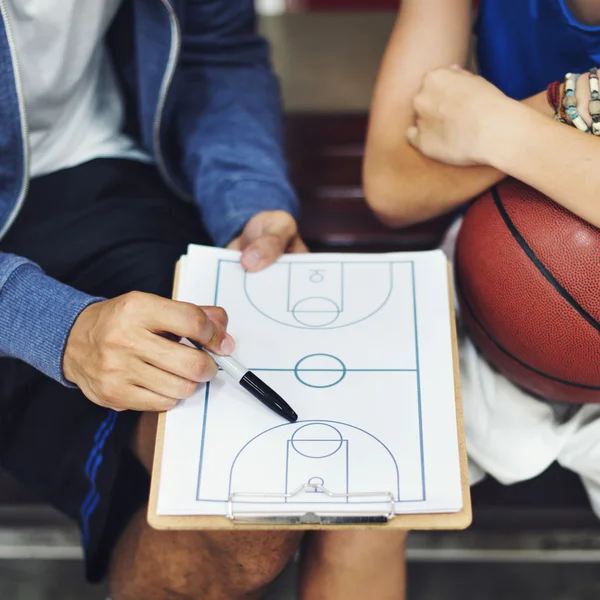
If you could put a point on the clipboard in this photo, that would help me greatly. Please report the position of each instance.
(310, 521)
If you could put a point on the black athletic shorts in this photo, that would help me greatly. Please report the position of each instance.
(106, 227)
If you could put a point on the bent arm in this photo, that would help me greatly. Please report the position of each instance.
(403, 186)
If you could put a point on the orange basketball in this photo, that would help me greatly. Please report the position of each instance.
(528, 282)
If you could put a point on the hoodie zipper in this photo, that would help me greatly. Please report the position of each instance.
(164, 90)
(24, 124)
(162, 98)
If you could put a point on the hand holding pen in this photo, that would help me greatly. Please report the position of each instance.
(118, 354)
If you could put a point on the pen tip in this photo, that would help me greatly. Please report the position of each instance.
(293, 417)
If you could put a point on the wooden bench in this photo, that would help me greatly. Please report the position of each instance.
(548, 518)
(325, 156)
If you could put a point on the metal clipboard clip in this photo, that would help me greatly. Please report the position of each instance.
(300, 517)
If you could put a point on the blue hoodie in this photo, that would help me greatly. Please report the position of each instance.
(202, 100)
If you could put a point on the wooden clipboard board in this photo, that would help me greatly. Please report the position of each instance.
(431, 521)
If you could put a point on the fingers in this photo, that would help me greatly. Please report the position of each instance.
(217, 314)
(435, 83)
(297, 246)
(268, 248)
(462, 70)
(235, 244)
(118, 394)
(266, 237)
(200, 327)
(182, 319)
(144, 400)
(179, 360)
(264, 251)
(164, 383)
(421, 103)
(412, 135)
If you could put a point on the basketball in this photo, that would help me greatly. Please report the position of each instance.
(528, 282)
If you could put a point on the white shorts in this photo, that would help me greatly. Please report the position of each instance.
(514, 436)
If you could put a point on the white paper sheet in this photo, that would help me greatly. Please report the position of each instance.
(360, 347)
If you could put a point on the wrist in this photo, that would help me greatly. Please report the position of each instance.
(76, 343)
(496, 138)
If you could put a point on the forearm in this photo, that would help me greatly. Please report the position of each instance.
(229, 125)
(416, 188)
(557, 160)
(421, 189)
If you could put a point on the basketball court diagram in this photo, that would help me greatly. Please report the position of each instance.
(316, 453)
(308, 300)
(321, 295)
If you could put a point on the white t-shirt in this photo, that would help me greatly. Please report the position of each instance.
(72, 99)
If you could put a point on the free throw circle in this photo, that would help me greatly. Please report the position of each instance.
(316, 312)
(316, 440)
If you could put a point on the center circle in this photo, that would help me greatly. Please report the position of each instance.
(320, 370)
(316, 311)
(316, 440)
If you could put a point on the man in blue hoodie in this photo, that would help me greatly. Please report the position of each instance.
(122, 122)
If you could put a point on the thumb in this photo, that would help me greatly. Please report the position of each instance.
(264, 251)
(277, 232)
(412, 135)
(460, 69)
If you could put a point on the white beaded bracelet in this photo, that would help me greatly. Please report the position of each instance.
(570, 103)
(594, 105)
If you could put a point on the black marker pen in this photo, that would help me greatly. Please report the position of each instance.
(248, 380)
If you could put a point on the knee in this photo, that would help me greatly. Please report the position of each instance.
(354, 547)
(204, 565)
(256, 559)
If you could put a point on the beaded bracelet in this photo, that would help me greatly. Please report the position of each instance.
(553, 96)
(562, 113)
(570, 103)
(594, 105)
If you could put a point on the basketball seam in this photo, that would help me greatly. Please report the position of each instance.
(540, 265)
(509, 354)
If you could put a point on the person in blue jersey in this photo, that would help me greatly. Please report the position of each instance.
(129, 129)
(439, 135)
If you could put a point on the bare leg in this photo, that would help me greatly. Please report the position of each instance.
(353, 565)
(158, 565)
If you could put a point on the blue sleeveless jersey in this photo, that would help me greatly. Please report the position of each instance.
(523, 45)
